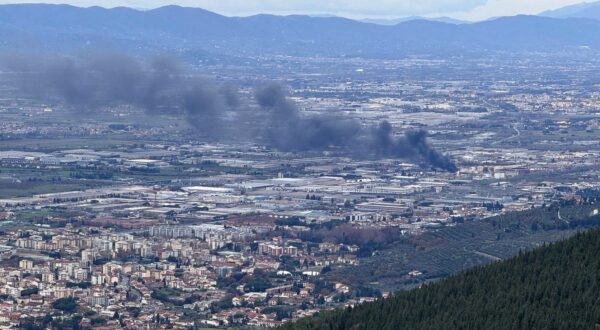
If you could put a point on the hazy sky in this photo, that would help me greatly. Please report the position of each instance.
(463, 9)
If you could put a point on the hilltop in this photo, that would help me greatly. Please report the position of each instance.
(553, 287)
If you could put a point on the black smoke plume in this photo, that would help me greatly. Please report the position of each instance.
(98, 82)
(163, 86)
(290, 131)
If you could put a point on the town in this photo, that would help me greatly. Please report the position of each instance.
(130, 220)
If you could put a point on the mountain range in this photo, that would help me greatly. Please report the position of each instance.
(396, 21)
(64, 28)
(582, 10)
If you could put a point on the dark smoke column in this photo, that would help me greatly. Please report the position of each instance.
(288, 130)
(160, 86)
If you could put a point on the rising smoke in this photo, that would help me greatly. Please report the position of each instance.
(98, 82)
(290, 131)
(161, 86)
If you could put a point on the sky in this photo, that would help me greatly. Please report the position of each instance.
(461, 9)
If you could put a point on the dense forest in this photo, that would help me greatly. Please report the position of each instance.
(556, 286)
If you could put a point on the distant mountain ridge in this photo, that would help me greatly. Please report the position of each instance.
(64, 28)
(396, 21)
(581, 10)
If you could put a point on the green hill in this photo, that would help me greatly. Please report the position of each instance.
(553, 287)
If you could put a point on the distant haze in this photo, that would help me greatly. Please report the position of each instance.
(193, 33)
(386, 9)
(159, 86)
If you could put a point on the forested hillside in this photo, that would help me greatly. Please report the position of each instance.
(553, 287)
(449, 250)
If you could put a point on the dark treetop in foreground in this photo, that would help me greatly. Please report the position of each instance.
(554, 287)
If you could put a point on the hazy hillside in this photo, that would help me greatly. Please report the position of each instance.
(554, 287)
(582, 10)
(62, 28)
(396, 21)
